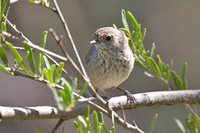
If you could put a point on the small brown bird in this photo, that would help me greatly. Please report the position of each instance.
(110, 60)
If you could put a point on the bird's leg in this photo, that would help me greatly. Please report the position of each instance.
(130, 97)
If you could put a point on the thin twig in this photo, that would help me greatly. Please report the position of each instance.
(61, 45)
(24, 38)
(59, 123)
(69, 36)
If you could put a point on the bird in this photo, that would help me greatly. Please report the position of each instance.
(110, 59)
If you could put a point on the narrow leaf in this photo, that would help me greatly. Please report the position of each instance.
(153, 123)
(3, 55)
(132, 20)
(40, 60)
(19, 59)
(154, 67)
(59, 72)
(124, 20)
(180, 125)
(96, 121)
(152, 50)
(177, 80)
(30, 57)
(3, 69)
(78, 126)
(51, 73)
(184, 71)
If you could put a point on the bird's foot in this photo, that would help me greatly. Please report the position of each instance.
(130, 97)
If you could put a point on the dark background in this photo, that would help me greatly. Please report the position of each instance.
(172, 25)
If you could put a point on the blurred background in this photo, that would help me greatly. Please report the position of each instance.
(172, 25)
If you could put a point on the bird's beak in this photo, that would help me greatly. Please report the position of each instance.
(93, 42)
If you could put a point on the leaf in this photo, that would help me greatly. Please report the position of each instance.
(153, 123)
(51, 73)
(3, 55)
(3, 69)
(3, 4)
(46, 61)
(44, 39)
(193, 124)
(37, 130)
(82, 120)
(59, 72)
(124, 20)
(177, 80)
(56, 96)
(40, 60)
(78, 126)
(67, 95)
(154, 67)
(30, 57)
(152, 50)
(87, 112)
(132, 20)
(19, 59)
(180, 125)
(127, 33)
(184, 80)
(83, 89)
(3, 26)
(166, 72)
(95, 121)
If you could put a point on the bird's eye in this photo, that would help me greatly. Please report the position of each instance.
(108, 38)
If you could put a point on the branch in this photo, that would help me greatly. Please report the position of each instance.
(24, 38)
(159, 98)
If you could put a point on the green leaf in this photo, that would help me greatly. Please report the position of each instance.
(166, 72)
(37, 130)
(78, 126)
(46, 61)
(87, 112)
(140, 63)
(83, 89)
(180, 125)
(193, 124)
(152, 50)
(59, 72)
(56, 97)
(177, 80)
(132, 20)
(4, 69)
(67, 95)
(51, 73)
(44, 39)
(3, 55)
(82, 120)
(154, 67)
(153, 123)
(124, 20)
(19, 59)
(30, 57)
(126, 32)
(3, 26)
(184, 80)
(3, 4)
(40, 55)
(96, 121)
